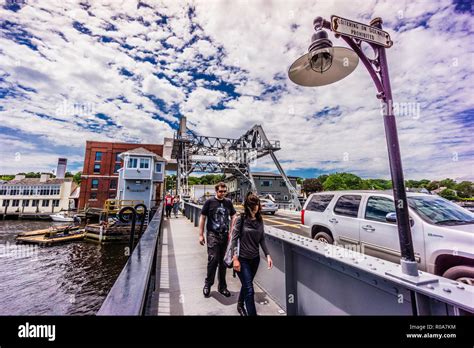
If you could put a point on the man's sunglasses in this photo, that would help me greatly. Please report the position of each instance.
(222, 191)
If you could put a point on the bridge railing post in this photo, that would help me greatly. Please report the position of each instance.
(290, 283)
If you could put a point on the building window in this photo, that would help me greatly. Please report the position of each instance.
(45, 203)
(112, 195)
(93, 195)
(95, 183)
(282, 184)
(14, 191)
(266, 183)
(144, 163)
(113, 184)
(132, 163)
(117, 157)
(158, 167)
(55, 202)
(15, 203)
(3, 190)
(117, 167)
(97, 168)
(25, 202)
(44, 190)
(5, 202)
(35, 202)
(98, 156)
(55, 190)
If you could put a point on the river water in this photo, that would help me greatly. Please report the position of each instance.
(66, 279)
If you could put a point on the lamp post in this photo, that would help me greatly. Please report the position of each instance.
(325, 64)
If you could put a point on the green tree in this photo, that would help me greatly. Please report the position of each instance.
(448, 194)
(77, 178)
(322, 178)
(312, 185)
(465, 189)
(342, 181)
(448, 183)
(433, 185)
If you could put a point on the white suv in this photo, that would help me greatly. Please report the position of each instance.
(442, 232)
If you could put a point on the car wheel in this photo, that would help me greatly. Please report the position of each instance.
(273, 213)
(323, 237)
(462, 274)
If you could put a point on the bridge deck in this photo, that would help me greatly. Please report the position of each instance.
(180, 273)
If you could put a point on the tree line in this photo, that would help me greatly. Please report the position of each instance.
(347, 181)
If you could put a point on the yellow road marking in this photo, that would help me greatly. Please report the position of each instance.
(282, 223)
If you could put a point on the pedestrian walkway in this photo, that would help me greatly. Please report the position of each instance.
(181, 270)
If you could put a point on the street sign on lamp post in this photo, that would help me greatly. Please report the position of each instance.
(321, 53)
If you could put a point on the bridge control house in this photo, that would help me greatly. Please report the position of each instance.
(139, 178)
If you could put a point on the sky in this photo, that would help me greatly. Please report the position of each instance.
(127, 71)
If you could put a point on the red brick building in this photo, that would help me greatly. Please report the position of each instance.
(100, 172)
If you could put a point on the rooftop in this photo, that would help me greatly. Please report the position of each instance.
(144, 152)
(36, 181)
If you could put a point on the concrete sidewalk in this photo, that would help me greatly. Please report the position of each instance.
(181, 271)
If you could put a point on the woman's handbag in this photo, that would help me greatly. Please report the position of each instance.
(228, 257)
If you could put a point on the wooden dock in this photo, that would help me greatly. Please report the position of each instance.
(52, 238)
(57, 229)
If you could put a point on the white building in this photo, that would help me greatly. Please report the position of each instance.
(36, 195)
(140, 176)
(200, 193)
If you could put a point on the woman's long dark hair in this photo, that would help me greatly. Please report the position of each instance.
(251, 201)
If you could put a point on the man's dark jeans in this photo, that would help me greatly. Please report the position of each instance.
(216, 247)
(248, 270)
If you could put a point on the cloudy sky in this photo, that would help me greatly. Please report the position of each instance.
(115, 70)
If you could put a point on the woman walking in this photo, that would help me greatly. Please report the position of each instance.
(250, 237)
(176, 202)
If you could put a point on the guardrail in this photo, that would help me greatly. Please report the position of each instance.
(192, 212)
(129, 292)
(313, 278)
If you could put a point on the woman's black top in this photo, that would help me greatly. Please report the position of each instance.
(251, 238)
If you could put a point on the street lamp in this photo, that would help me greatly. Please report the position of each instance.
(324, 64)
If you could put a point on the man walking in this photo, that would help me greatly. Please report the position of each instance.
(168, 204)
(220, 212)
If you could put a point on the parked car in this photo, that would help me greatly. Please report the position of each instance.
(442, 232)
(268, 206)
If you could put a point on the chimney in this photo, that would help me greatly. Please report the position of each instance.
(45, 177)
(61, 170)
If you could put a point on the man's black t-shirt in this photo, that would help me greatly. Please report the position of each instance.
(218, 212)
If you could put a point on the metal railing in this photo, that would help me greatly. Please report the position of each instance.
(313, 278)
(129, 292)
(192, 212)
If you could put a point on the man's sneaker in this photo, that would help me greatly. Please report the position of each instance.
(225, 292)
(206, 291)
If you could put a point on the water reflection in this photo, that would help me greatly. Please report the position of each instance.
(64, 279)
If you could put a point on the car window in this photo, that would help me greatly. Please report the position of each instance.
(378, 207)
(319, 202)
(347, 205)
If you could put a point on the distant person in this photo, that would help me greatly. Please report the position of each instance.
(168, 204)
(176, 202)
(220, 213)
(247, 261)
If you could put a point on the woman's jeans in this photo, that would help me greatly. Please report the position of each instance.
(175, 209)
(248, 269)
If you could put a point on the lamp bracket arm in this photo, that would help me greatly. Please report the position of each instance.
(372, 65)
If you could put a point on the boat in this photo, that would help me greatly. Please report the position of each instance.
(61, 217)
